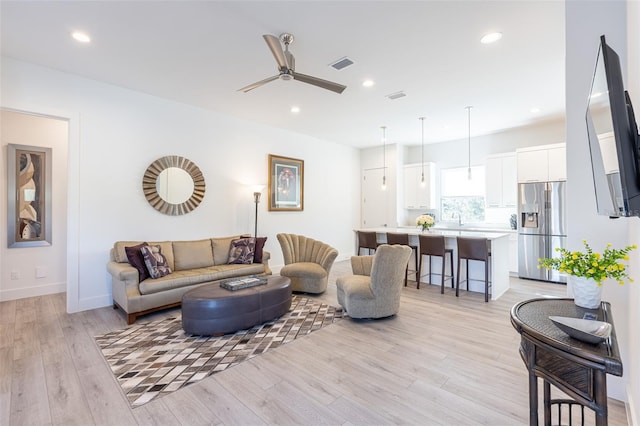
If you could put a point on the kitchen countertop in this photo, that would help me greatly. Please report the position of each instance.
(447, 232)
(463, 228)
(499, 258)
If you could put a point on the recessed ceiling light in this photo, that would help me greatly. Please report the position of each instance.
(535, 110)
(368, 83)
(81, 37)
(491, 38)
(295, 109)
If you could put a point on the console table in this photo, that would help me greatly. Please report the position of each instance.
(579, 369)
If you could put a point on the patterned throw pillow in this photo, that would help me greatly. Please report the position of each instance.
(155, 261)
(242, 250)
(136, 259)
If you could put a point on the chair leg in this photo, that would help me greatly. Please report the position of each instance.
(416, 252)
(430, 257)
(419, 272)
(451, 260)
(467, 268)
(406, 274)
(442, 283)
(486, 281)
(458, 278)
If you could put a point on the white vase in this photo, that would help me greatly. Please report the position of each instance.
(586, 292)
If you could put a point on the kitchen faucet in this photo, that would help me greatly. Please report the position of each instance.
(459, 218)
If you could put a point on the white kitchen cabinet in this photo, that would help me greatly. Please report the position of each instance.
(557, 163)
(542, 163)
(501, 180)
(416, 195)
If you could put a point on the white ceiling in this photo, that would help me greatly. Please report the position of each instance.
(201, 52)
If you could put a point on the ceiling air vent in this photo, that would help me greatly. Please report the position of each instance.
(341, 63)
(396, 95)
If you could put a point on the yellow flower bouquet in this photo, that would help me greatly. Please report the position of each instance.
(592, 265)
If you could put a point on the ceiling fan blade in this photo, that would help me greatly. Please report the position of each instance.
(276, 48)
(325, 84)
(258, 84)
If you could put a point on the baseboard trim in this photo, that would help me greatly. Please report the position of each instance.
(94, 302)
(630, 406)
(41, 290)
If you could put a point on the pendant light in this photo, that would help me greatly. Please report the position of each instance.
(384, 158)
(422, 176)
(468, 108)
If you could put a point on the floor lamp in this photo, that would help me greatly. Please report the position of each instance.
(257, 191)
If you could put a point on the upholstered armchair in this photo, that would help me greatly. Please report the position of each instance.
(374, 289)
(307, 262)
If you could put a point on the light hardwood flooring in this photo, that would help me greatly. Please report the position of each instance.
(441, 361)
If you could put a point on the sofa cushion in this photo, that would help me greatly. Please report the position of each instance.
(221, 249)
(119, 250)
(136, 259)
(303, 269)
(120, 255)
(155, 261)
(242, 250)
(199, 276)
(192, 254)
(257, 255)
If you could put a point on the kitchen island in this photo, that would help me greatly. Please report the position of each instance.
(499, 260)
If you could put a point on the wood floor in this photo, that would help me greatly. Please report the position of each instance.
(441, 361)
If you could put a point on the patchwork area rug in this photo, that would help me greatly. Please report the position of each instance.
(154, 359)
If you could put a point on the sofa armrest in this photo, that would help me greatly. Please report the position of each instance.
(123, 271)
(328, 259)
(124, 284)
(362, 265)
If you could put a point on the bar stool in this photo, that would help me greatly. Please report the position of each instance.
(403, 239)
(433, 245)
(367, 240)
(474, 249)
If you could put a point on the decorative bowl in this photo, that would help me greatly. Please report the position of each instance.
(589, 331)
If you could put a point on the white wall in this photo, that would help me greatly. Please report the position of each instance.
(34, 130)
(585, 22)
(116, 133)
(448, 154)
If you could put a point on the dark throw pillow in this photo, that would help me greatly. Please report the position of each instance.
(155, 261)
(136, 259)
(242, 250)
(257, 256)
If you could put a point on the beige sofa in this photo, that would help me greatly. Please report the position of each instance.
(192, 263)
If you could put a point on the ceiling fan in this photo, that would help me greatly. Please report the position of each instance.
(287, 65)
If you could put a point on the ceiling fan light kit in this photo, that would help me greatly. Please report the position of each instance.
(286, 66)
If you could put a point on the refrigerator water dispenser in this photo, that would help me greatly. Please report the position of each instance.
(529, 220)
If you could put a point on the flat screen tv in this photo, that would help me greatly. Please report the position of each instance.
(613, 139)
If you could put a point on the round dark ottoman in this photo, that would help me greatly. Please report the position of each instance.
(211, 310)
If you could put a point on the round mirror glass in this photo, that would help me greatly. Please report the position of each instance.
(174, 185)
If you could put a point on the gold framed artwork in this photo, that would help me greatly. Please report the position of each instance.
(29, 196)
(286, 184)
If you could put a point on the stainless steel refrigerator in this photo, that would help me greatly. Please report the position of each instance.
(541, 228)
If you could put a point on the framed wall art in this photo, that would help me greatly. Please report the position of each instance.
(286, 184)
(29, 196)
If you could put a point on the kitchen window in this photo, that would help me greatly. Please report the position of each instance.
(462, 199)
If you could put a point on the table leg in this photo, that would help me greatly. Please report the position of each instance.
(547, 403)
(533, 399)
(600, 387)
